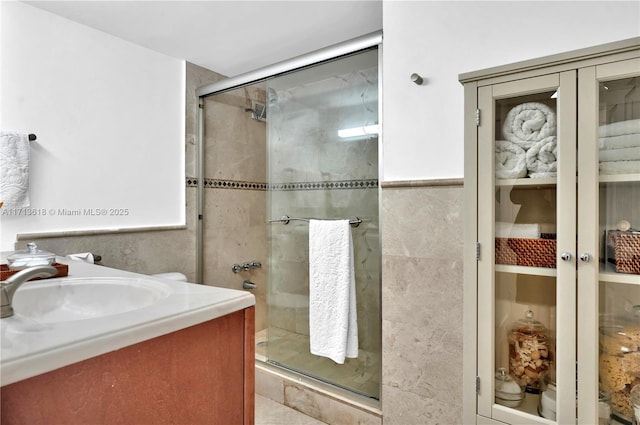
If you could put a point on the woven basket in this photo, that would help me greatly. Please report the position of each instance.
(623, 250)
(5, 271)
(526, 252)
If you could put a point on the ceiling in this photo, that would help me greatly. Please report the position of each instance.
(229, 37)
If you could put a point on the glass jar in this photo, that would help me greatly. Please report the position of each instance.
(604, 407)
(508, 392)
(530, 352)
(619, 362)
(32, 256)
(635, 403)
(547, 402)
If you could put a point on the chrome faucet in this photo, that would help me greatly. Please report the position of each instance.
(13, 282)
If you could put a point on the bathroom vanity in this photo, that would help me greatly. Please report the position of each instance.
(104, 346)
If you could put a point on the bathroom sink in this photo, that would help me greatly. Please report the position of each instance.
(69, 299)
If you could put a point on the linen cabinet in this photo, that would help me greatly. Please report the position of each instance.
(552, 238)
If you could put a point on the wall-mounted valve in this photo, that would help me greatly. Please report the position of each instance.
(251, 265)
(246, 266)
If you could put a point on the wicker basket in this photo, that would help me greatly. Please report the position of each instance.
(623, 250)
(5, 271)
(526, 252)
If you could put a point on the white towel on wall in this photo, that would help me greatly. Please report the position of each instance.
(14, 170)
(333, 324)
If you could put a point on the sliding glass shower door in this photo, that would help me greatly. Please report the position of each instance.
(322, 156)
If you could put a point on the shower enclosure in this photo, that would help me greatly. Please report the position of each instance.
(305, 144)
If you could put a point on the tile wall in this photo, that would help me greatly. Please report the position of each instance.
(422, 269)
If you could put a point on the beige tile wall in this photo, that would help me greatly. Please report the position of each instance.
(422, 304)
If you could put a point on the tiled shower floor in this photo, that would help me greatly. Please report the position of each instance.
(290, 349)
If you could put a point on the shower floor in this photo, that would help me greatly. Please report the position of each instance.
(291, 350)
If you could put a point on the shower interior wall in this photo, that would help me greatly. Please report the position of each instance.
(234, 230)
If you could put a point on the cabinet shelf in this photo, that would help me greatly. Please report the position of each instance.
(608, 274)
(615, 178)
(546, 182)
(527, 412)
(535, 271)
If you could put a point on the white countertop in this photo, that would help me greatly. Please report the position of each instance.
(29, 348)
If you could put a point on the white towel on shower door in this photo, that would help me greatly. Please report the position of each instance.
(333, 324)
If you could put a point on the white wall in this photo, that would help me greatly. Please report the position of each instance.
(109, 116)
(423, 125)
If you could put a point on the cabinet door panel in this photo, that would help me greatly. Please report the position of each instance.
(609, 233)
(526, 139)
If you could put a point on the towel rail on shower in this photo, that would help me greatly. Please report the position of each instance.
(285, 219)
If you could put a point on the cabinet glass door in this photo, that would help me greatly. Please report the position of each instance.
(528, 363)
(613, 149)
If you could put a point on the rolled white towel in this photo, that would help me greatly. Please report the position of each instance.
(624, 154)
(517, 230)
(620, 167)
(510, 160)
(619, 142)
(528, 123)
(542, 158)
(620, 128)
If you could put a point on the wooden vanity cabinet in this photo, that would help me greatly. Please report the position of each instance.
(538, 241)
(203, 374)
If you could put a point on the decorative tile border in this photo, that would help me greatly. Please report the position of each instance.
(243, 185)
(341, 184)
(226, 184)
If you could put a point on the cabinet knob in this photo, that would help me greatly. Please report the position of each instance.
(585, 257)
(566, 256)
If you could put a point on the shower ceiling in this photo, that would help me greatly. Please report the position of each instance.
(229, 37)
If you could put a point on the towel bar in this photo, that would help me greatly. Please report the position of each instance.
(285, 219)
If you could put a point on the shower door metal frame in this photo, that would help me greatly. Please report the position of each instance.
(299, 62)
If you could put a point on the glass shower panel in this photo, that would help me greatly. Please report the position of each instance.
(323, 163)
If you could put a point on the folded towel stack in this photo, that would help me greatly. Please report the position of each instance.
(530, 130)
(619, 145)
